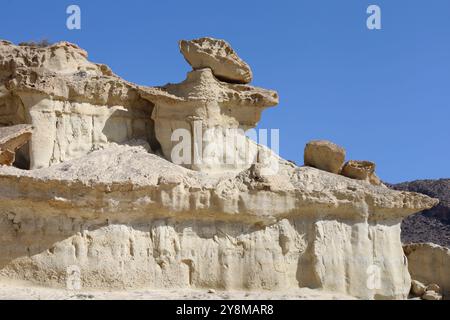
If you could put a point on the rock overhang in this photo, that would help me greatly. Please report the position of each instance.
(98, 188)
(304, 191)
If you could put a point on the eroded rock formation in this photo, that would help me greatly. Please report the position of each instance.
(103, 195)
(12, 138)
(429, 263)
(219, 57)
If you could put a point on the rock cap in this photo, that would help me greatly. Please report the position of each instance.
(217, 55)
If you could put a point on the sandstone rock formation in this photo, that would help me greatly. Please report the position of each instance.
(429, 264)
(75, 106)
(211, 111)
(324, 155)
(431, 295)
(219, 57)
(12, 139)
(430, 225)
(439, 188)
(418, 288)
(361, 170)
(101, 202)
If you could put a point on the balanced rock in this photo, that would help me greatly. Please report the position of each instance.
(361, 170)
(127, 217)
(324, 155)
(211, 113)
(12, 138)
(417, 288)
(218, 56)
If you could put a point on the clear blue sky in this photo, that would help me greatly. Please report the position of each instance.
(383, 95)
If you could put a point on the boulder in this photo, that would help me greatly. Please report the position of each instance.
(434, 287)
(324, 155)
(361, 170)
(429, 263)
(12, 138)
(417, 288)
(431, 295)
(218, 56)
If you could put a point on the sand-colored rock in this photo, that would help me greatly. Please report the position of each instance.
(433, 287)
(214, 114)
(200, 231)
(101, 203)
(217, 55)
(430, 264)
(13, 138)
(361, 170)
(324, 155)
(27, 291)
(418, 288)
(74, 105)
(431, 295)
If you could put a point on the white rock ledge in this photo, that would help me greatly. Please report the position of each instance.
(131, 219)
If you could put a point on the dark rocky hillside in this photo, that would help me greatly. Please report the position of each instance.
(431, 225)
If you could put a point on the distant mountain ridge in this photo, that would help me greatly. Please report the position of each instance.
(430, 225)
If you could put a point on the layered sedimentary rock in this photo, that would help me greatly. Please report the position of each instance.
(214, 114)
(105, 201)
(160, 225)
(74, 105)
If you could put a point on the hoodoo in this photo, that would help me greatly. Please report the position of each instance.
(103, 195)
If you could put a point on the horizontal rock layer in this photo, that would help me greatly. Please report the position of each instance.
(101, 199)
(166, 226)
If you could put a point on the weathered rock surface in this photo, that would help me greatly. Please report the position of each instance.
(361, 170)
(166, 226)
(430, 264)
(102, 204)
(431, 225)
(440, 189)
(12, 138)
(433, 287)
(212, 113)
(431, 295)
(324, 155)
(217, 55)
(418, 288)
(74, 105)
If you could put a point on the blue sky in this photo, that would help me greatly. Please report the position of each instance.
(384, 94)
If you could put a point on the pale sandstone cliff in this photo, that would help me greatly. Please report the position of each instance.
(102, 198)
(429, 263)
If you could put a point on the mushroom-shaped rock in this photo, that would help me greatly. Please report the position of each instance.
(324, 155)
(213, 116)
(218, 56)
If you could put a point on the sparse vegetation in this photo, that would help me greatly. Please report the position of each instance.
(39, 44)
